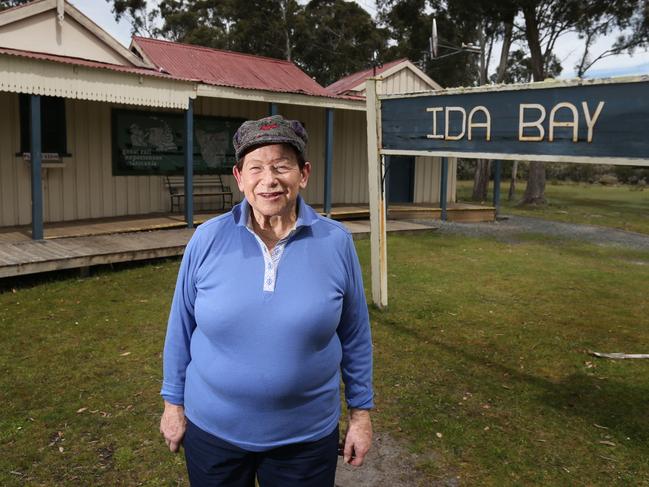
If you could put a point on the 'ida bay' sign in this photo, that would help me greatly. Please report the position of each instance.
(596, 121)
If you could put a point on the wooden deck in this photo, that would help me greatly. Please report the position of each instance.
(30, 257)
(81, 244)
(27, 256)
(458, 212)
(103, 226)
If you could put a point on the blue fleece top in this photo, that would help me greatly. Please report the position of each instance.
(261, 369)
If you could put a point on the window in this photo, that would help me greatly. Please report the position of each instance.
(53, 133)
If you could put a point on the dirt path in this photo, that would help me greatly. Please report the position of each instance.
(388, 464)
(508, 229)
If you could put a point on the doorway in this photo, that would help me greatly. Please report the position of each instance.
(400, 179)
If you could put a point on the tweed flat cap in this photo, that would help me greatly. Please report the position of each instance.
(269, 130)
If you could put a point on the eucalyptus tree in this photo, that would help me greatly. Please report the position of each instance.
(5, 4)
(337, 38)
(544, 23)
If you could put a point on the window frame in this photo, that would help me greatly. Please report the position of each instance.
(54, 136)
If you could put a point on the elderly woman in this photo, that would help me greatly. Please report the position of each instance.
(269, 309)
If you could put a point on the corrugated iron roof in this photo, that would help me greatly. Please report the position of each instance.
(346, 84)
(228, 68)
(87, 63)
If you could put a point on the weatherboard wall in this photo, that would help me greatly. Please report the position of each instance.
(403, 81)
(83, 187)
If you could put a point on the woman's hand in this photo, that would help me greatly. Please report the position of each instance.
(173, 425)
(358, 437)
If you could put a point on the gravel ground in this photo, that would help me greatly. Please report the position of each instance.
(510, 227)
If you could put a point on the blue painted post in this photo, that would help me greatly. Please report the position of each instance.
(497, 172)
(189, 164)
(272, 109)
(443, 187)
(36, 156)
(329, 151)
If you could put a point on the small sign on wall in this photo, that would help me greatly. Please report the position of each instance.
(148, 143)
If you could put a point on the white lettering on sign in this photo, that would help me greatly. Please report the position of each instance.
(486, 124)
(447, 123)
(537, 123)
(531, 121)
(574, 123)
(435, 135)
(463, 126)
(591, 120)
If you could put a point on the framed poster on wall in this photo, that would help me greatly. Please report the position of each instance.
(148, 143)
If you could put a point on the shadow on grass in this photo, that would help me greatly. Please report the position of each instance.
(617, 406)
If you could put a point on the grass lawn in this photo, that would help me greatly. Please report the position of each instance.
(621, 206)
(480, 367)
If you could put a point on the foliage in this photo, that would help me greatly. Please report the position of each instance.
(629, 17)
(462, 350)
(261, 27)
(139, 15)
(409, 24)
(198, 22)
(337, 38)
(5, 4)
(519, 68)
(632, 174)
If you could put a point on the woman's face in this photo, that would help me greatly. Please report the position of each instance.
(271, 179)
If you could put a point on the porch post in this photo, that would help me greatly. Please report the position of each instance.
(272, 109)
(189, 164)
(497, 172)
(443, 187)
(329, 150)
(36, 156)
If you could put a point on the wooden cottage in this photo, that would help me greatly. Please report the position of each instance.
(112, 124)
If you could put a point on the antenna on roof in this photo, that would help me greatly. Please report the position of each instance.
(434, 46)
(433, 40)
(375, 62)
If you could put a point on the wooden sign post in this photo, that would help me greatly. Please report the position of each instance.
(376, 175)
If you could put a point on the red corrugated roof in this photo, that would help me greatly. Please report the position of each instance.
(346, 84)
(227, 68)
(85, 62)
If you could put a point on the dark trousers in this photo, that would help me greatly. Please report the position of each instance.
(212, 462)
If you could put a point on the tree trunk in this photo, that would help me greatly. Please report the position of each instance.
(481, 180)
(512, 184)
(481, 175)
(535, 191)
(483, 61)
(287, 36)
(534, 42)
(504, 52)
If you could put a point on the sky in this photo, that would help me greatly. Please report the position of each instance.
(568, 48)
